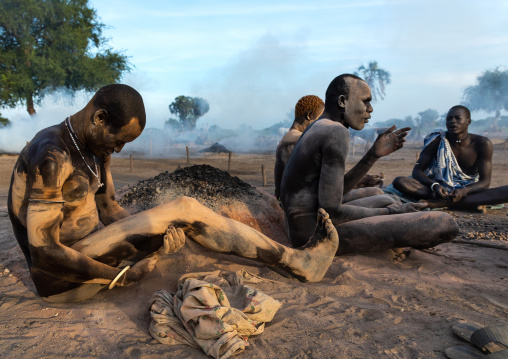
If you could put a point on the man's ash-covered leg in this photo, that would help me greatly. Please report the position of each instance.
(223, 235)
(416, 230)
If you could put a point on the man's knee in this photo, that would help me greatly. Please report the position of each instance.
(446, 227)
(400, 183)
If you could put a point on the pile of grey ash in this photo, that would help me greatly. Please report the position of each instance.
(209, 185)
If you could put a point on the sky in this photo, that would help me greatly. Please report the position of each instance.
(252, 61)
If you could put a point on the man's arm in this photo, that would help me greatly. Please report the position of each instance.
(484, 151)
(281, 158)
(386, 143)
(426, 157)
(109, 209)
(331, 180)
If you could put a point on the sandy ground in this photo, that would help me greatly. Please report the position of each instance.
(367, 306)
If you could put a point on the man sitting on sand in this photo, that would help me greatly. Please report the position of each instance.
(307, 110)
(62, 188)
(315, 178)
(454, 169)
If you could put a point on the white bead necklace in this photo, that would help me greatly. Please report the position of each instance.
(71, 131)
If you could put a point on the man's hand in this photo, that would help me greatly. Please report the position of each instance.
(458, 193)
(139, 270)
(440, 192)
(389, 141)
(173, 240)
(407, 208)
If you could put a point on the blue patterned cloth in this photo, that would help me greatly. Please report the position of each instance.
(444, 168)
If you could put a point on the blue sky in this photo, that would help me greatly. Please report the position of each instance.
(253, 60)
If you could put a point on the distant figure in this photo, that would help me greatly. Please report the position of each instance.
(307, 110)
(454, 168)
(62, 190)
(315, 177)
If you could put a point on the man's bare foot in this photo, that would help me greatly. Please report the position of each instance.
(310, 262)
(432, 204)
(173, 240)
(399, 254)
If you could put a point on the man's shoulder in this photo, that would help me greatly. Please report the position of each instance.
(479, 138)
(47, 145)
(290, 138)
(481, 143)
(328, 128)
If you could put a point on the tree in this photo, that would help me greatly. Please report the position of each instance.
(375, 77)
(406, 122)
(189, 110)
(490, 93)
(4, 122)
(46, 45)
(426, 121)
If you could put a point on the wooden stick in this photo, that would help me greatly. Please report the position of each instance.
(130, 156)
(263, 173)
(353, 145)
(229, 161)
(188, 159)
(416, 160)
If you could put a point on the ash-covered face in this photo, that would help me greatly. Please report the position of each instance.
(457, 121)
(357, 107)
(106, 140)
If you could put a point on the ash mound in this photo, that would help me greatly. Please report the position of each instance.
(215, 148)
(209, 185)
(226, 195)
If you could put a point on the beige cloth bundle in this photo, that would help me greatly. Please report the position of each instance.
(213, 311)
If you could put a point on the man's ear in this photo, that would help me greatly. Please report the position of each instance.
(342, 101)
(308, 115)
(100, 116)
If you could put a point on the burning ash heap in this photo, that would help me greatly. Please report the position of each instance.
(210, 186)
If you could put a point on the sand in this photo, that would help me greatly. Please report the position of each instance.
(367, 306)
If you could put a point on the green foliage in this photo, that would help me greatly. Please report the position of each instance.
(52, 44)
(189, 110)
(376, 78)
(4, 122)
(490, 93)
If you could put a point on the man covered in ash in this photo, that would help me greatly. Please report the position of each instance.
(454, 168)
(307, 110)
(62, 188)
(315, 177)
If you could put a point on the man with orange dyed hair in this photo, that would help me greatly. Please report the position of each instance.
(307, 110)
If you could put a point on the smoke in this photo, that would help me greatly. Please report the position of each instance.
(258, 85)
(53, 110)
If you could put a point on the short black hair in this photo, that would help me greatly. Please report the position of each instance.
(341, 85)
(122, 103)
(468, 113)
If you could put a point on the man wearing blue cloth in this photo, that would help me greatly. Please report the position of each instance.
(454, 169)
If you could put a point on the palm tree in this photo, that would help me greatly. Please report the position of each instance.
(375, 77)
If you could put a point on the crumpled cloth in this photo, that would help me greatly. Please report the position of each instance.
(213, 311)
(444, 168)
